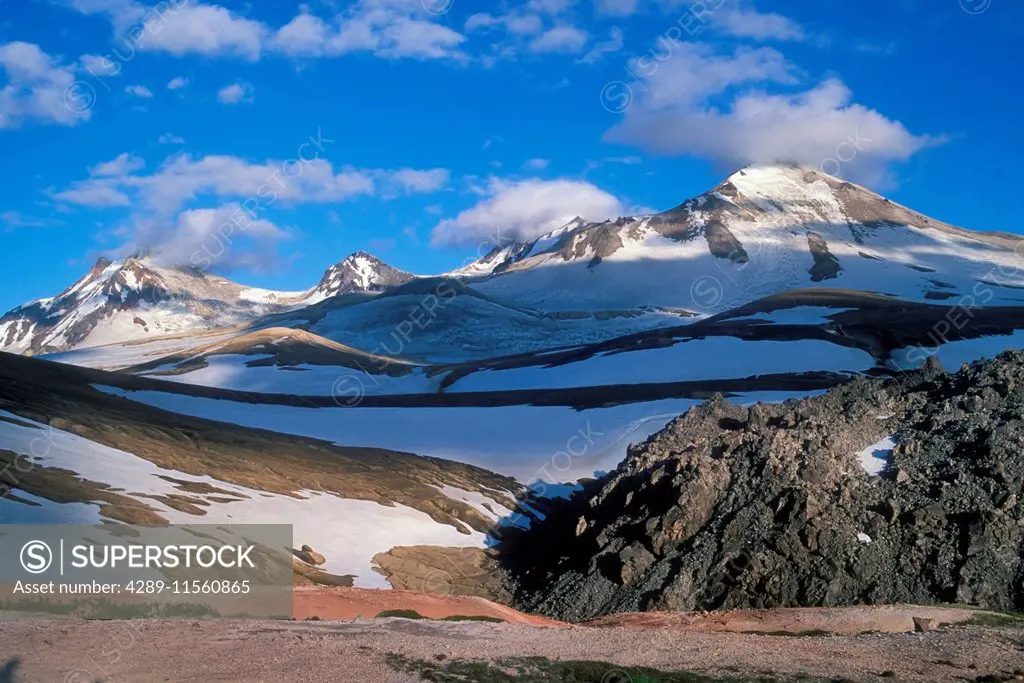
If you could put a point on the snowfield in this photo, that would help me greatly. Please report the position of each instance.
(519, 441)
(347, 532)
(692, 360)
(232, 372)
(530, 443)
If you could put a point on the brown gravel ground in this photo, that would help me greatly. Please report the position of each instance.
(324, 651)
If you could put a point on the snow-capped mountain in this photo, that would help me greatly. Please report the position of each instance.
(764, 230)
(359, 272)
(133, 299)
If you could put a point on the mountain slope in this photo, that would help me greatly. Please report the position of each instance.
(764, 230)
(133, 299)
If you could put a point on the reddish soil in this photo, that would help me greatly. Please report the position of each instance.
(347, 604)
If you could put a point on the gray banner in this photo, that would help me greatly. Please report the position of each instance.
(120, 571)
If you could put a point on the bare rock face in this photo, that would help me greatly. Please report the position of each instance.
(770, 506)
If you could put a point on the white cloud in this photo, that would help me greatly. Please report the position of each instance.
(40, 89)
(97, 193)
(617, 8)
(525, 210)
(15, 219)
(629, 160)
(227, 237)
(181, 179)
(100, 66)
(694, 72)
(235, 93)
(123, 164)
(177, 83)
(514, 22)
(412, 181)
(533, 27)
(139, 91)
(170, 139)
(192, 28)
(613, 45)
(674, 115)
(391, 29)
(560, 39)
(166, 221)
(179, 28)
(759, 25)
(552, 7)
(304, 36)
(536, 164)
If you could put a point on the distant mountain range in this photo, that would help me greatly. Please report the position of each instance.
(763, 231)
(134, 299)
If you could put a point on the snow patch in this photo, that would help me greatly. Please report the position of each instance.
(875, 457)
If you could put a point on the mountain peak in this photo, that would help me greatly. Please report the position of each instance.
(358, 255)
(360, 271)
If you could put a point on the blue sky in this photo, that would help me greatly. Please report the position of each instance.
(440, 123)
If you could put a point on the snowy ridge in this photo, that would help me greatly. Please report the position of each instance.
(118, 301)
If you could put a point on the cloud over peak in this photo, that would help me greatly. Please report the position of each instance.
(715, 105)
(525, 210)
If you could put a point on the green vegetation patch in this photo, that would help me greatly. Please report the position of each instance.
(400, 614)
(995, 619)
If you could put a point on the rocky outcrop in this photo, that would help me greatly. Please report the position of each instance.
(771, 505)
(310, 556)
(443, 571)
(826, 265)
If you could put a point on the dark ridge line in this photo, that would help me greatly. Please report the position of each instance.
(578, 398)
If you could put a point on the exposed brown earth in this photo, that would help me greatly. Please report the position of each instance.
(444, 571)
(336, 604)
(180, 651)
(285, 346)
